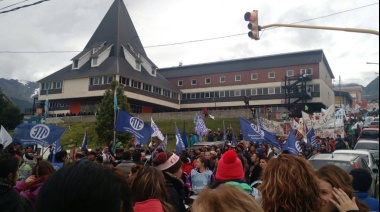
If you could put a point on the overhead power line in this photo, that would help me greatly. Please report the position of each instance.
(193, 41)
(17, 8)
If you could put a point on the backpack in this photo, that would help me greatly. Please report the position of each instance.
(255, 192)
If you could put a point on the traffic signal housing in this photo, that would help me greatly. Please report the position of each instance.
(253, 18)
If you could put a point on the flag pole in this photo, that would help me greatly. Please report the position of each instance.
(114, 116)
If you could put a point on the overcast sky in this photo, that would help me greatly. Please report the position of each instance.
(67, 25)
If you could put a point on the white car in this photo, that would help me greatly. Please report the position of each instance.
(371, 162)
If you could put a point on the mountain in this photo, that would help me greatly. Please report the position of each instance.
(19, 92)
(371, 91)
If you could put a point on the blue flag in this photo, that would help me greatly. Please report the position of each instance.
(130, 124)
(233, 139)
(184, 136)
(42, 134)
(178, 141)
(200, 127)
(84, 143)
(310, 135)
(55, 147)
(251, 132)
(195, 118)
(291, 144)
(260, 123)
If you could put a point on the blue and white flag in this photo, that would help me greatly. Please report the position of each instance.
(200, 128)
(184, 136)
(163, 144)
(156, 131)
(130, 124)
(251, 132)
(42, 134)
(178, 141)
(310, 135)
(84, 143)
(260, 123)
(55, 147)
(195, 118)
(291, 144)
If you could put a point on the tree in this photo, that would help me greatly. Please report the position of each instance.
(105, 113)
(10, 115)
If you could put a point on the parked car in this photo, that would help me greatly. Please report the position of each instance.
(369, 134)
(346, 162)
(371, 146)
(374, 124)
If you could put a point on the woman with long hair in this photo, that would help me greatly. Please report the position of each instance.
(149, 191)
(200, 177)
(334, 181)
(289, 184)
(30, 187)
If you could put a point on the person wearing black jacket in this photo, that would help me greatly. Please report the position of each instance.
(171, 166)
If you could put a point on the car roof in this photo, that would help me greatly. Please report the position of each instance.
(329, 156)
(368, 141)
(352, 151)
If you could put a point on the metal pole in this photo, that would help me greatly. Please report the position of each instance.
(323, 27)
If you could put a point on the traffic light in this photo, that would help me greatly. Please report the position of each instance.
(253, 18)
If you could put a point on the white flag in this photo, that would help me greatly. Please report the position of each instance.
(5, 138)
(156, 130)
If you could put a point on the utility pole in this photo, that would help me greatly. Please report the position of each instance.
(323, 27)
(340, 91)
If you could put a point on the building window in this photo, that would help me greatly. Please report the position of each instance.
(271, 90)
(307, 71)
(254, 91)
(221, 93)
(207, 94)
(180, 82)
(183, 96)
(192, 96)
(277, 90)
(94, 61)
(237, 93)
(108, 79)
(254, 76)
(175, 95)
(96, 81)
(193, 82)
(207, 80)
(138, 65)
(166, 92)
(157, 90)
(124, 81)
(237, 77)
(222, 79)
(46, 86)
(259, 91)
(316, 88)
(271, 75)
(136, 84)
(75, 64)
(265, 91)
(147, 87)
(57, 85)
(153, 71)
(289, 73)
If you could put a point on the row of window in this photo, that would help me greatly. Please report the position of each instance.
(254, 76)
(244, 92)
(52, 85)
(101, 80)
(148, 87)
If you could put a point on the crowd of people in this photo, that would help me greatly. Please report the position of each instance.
(246, 177)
